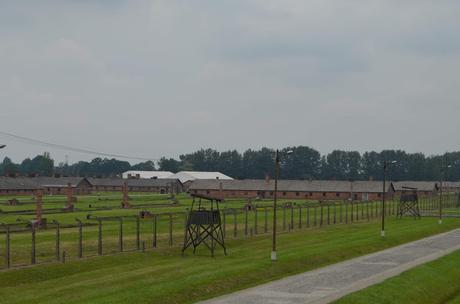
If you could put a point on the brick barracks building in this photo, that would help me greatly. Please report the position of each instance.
(156, 185)
(18, 186)
(25, 186)
(292, 189)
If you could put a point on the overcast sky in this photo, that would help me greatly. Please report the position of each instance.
(162, 78)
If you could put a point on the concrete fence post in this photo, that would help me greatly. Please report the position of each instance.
(315, 221)
(367, 211)
(33, 253)
(346, 212)
(138, 232)
(321, 215)
(335, 213)
(80, 239)
(284, 217)
(170, 230)
(224, 222)
(340, 210)
(120, 239)
(7, 246)
(154, 230)
(246, 222)
(235, 224)
(300, 217)
(352, 212)
(255, 220)
(58, 241)
(266, 220)
(99, 237)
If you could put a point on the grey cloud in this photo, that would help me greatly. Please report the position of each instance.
(154, 78)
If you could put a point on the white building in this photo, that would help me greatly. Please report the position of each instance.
(187, 176)
(147, 174)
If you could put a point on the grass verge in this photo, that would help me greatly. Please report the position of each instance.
(434, 282)
(163, 276)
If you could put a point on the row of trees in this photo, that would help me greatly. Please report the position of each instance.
(302, 163)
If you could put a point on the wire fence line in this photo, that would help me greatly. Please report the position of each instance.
(25, 244)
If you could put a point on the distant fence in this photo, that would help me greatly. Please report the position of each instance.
(96, 236)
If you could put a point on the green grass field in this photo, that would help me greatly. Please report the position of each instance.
(235, 227)
(163, 276)
(431, 283)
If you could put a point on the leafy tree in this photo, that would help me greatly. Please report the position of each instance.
(343, 165)
(258, 164)
(304, 163)
(8, 167)
(170, 164)
(145, 166)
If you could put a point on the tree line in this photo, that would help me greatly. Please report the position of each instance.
(298, 162)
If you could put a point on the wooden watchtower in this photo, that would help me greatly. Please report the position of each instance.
(408, 203)
(204, 225)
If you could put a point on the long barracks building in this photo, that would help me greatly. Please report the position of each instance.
(292, 189)
(311, 189)
(17, 186)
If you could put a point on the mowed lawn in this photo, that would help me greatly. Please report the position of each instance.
(434, 282)
(164, 276)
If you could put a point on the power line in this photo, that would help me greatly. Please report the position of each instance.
(69, 148)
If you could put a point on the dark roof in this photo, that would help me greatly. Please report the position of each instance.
(18, 183)
(58, 181)
(447, 184)
(290, 185)
(141, 182)
(419, 185)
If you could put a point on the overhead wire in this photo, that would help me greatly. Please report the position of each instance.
(38, 142)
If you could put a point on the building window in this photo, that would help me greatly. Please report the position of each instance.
(207, 191)
(379, 194)
(297, 194)
(284, 193)
(324, 193)
(337, 194)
